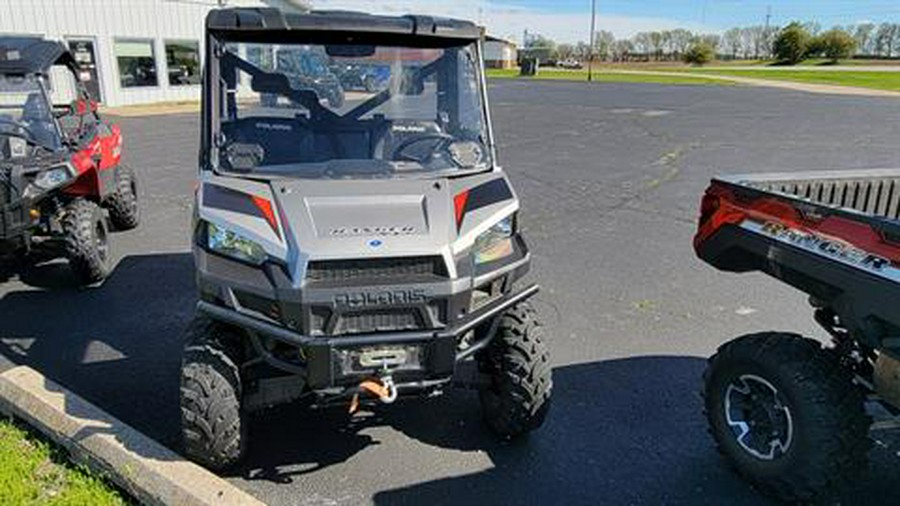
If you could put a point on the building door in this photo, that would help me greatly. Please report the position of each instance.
(86, 56)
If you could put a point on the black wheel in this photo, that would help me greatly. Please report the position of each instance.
(517, 398)
(212, 419)
(86, 240)
(370, 85)
(786, 415)
(124, 211)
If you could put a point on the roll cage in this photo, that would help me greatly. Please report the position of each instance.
(261, 25)
(26, 56)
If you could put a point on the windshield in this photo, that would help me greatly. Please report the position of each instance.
(25, 112)
(351, 111)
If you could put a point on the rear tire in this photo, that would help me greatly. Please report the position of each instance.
(86, 241)
(212, 419)
(786, 415)
(124, 211)
(517, 399)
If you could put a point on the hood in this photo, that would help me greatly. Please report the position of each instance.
(356, 219)
(341, 219)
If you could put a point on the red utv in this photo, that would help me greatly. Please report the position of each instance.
(60, 164)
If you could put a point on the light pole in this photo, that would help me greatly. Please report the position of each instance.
(591, 46)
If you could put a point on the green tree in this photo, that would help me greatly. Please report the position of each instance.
(792, 44)
(699, 53)
(835, 45)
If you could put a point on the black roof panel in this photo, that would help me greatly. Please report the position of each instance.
(29, 55)
(348, 22)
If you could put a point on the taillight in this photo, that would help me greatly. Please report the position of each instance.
(708, 207)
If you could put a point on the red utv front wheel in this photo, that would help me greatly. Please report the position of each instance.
(86, 241)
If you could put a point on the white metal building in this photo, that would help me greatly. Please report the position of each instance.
(134, 51)
(499, 53)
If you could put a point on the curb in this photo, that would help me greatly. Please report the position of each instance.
(154, 109)
(148, 471)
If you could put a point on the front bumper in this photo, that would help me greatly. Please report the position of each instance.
(438, 349)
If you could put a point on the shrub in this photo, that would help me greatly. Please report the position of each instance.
(835, 45)
(792, 44)
(700, 53)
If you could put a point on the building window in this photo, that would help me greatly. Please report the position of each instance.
(137, 63)
(183, 61)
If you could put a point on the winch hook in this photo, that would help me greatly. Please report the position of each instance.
(382, 388)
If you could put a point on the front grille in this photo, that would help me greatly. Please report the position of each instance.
(375, 270)
(390, 320)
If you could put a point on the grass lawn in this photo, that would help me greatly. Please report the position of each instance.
(875, 80)
(34, 473)
(608, 77)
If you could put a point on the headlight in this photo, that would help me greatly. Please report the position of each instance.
(231, 244)
(51, 178)
(496, 242)
(466, 153)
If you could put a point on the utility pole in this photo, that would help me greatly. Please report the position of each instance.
(591, 48)
(766, 34)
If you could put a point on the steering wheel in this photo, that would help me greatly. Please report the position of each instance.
(444, 139)
(19, 126)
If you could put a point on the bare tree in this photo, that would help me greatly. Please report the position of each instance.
(732, 40)
(756, 39)
(643, 44)
(863, 33)
(656, 44)
(583, 50)
(681, 40)
(603, 43)
(622, 50)
(886, 39)
(713, 40)
(564, 51)
(813, 27)
(665, 44)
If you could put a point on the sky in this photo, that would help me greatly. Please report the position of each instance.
(569, 20)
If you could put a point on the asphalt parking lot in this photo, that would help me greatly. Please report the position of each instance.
(610, 176)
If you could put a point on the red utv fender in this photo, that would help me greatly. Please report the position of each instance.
(96, 165)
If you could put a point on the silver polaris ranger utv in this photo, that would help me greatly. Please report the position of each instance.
(359, 253)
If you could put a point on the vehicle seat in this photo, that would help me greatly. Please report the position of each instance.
(283, 140)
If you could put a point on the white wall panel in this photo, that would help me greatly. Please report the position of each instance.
(106, 20)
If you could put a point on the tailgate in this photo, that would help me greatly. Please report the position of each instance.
(848, 217)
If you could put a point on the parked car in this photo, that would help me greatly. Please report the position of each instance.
(570, 63)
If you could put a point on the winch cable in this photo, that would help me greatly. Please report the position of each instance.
(383, 388)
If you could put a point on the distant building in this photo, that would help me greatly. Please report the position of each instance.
(499, 53)
(133, 51)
